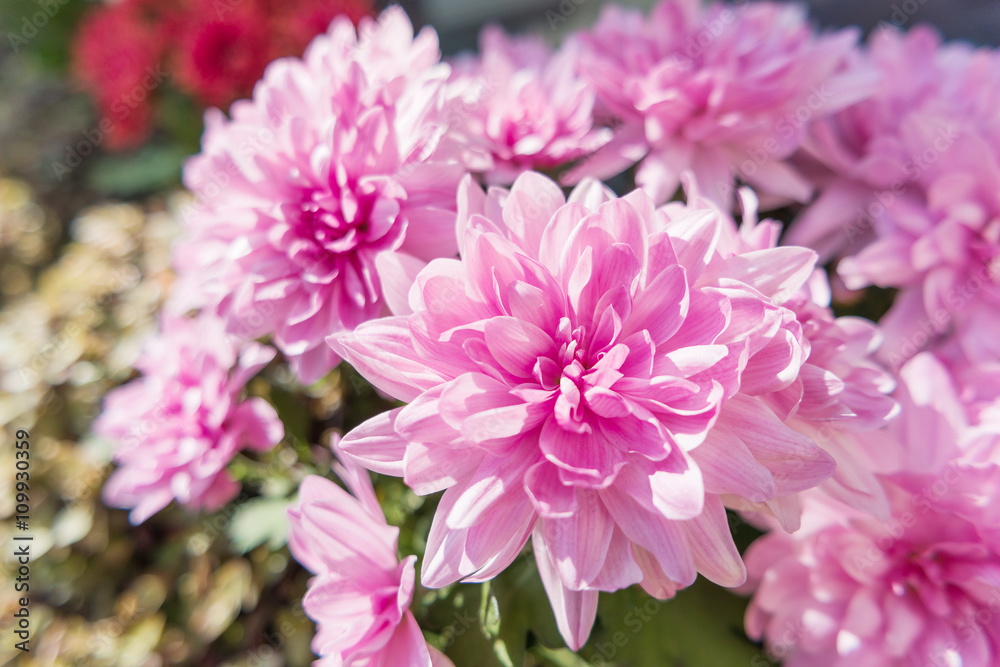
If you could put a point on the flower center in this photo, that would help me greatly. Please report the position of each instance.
(328, 228)
(577, 376)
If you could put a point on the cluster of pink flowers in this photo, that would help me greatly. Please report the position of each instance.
(919, 586)
(521, 107)
(722, 92)
(906, 198)
(609, 374)
(907, 192)
(178, 426)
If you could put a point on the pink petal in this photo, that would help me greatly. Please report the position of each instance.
(497, 480)
(578, 544)
(728, 467)
(661, 306)
(516, 344)
(662, 537)
(711, 543)
(424, 420)
(620, 569)
(258, 423)
(493, 543)
(533, 200)
(432, 468)
(382, 351)
(397, 273)
(376, 445)
(774, 272)
(406, 646)
(575, 611)
(585, 454)
(552, 498)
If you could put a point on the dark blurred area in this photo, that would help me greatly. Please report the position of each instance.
(457, 21)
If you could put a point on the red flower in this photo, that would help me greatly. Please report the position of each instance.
(115, 54)
(224, 50)
(215, 50)
(294, 29)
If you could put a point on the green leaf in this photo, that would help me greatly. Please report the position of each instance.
(257, 521)
(149, 169)
(293, 412)
(456, 627)
(489, 613)
(180, 117)
(561, 657)
(703, 625)
(500, 650)
(42, 35)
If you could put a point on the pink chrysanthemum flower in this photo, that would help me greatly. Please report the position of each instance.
(841, 396)
(975, 373)
(918, 589)
(840, 391)
(562, 378)
(724, 92)
(908, 189)
(523, 106)
(331, 182)
(177, 427)
(861, 151)
(361, 594)
(921, 587)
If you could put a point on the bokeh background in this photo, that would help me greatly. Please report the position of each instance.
(84, 266)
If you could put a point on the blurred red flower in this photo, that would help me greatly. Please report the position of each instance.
(212, 50)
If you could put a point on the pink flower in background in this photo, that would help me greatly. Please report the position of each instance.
(177, 427)
(840, 392)
(332, 181)
(562, 378)
(858, 152)
(908, 191)
(721, 92)
(523, 105)
(919, 586)
(841, 397)
(361, 593)
(977, 376)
